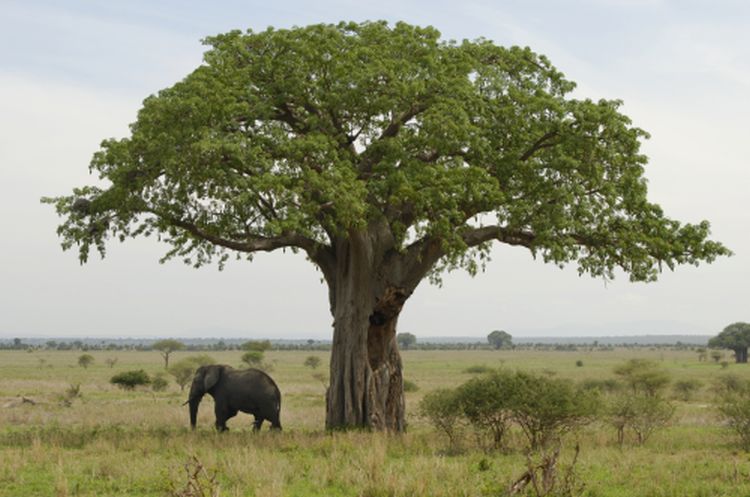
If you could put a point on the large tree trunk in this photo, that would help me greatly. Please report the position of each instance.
(366, 382)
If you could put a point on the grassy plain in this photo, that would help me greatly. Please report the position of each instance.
(111, 442)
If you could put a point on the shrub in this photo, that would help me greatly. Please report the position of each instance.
(643, 376)
(728, 383)
(85, 360)
(608, 386)
(579, 363)
(256, 345)
(685, 389)
(641, 414)
(442, 408)
(734, 406)
(184, 370)
(543, 407)
(253, 358)
(546, 407)
(312, 361)
(478, 369)
(486, 402)
(159, 383)
(128, 380)
(410, 386)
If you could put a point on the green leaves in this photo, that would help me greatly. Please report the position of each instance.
(296, 137)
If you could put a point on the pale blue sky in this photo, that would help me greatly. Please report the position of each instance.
(75, 72)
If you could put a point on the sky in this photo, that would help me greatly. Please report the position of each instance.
(74, 73)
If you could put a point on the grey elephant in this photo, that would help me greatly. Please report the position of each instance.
(248, 390)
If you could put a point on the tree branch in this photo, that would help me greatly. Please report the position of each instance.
(390, 131)
(477, 236)
(538, 145)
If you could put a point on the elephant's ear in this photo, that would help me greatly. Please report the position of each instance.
(212, 377)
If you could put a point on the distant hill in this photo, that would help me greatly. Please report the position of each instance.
(519, 340)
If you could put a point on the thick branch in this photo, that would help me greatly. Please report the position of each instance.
(390, 131)
(319, 253)
(477, 236)
(538, 145)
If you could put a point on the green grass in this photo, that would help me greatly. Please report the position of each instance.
(120, 443)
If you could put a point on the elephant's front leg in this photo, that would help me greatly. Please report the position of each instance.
(257, 423)
(222, 415)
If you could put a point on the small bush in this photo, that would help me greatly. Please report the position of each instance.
(253, 358)
(128, 380)
(579, 363)
(410, 386)
(442, 408)
(312, 362)
(640, 414)
(685, 389)
(608, 386)
(643, 377)
(159, 383)
(728, 383)
(734, 406)
(478, 369)
(85, 360)
(183, 370)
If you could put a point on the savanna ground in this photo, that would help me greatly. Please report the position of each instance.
(137, 443)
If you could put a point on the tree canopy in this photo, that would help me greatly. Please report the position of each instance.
(387, 155)
(406, 340)
(166, 347)
(500, 339)
(736, 337)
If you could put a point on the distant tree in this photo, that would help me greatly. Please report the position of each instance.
(735, 337)
(717, 355)
(257, 345)
(253, 358)
(128, 380)
(85, 360)
(166, 347)
(500, 339)
(312, 361)
(183, 370)
(406, 340)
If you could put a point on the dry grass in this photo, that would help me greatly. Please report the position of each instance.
(113, 442)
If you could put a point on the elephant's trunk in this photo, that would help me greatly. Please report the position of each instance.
(194, 403)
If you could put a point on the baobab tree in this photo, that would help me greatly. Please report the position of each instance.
(386, 155)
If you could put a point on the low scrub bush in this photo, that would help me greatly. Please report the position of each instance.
(478, 369)
(128, 380)
(686, 389)
(734, 406)
(442, 408)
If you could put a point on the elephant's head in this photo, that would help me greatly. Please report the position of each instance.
(206, 378)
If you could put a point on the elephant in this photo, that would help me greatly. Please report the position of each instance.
(249, 390)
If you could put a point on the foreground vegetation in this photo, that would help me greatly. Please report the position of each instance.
(66, 430)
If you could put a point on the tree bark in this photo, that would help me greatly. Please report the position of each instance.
(366, 380)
